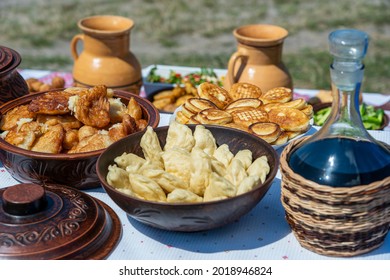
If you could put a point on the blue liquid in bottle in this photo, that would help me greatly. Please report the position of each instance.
(341, 162)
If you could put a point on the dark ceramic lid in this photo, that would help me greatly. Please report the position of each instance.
(55, 222)
(9, 59)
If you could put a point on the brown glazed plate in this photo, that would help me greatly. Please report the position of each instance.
(190, 217)
(74, 170)
(55, 222)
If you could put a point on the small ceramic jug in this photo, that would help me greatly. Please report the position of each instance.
(258, 59)
(106, 57)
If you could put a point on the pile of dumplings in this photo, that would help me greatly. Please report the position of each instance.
(190, 168)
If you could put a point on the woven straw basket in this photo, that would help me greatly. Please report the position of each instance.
(334, 221)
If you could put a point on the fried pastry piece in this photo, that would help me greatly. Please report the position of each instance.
(282, 139)
(308, 110)
(71, 139)
(216, 94)
(298, 103)
(50, 141)
(25, 135)
(244, 90)
(120, 130)
(134, 109)
(10, 119)
(195, 105)
(213, 116)
(86, 131)
(67, 121)
(117, 110)
(51, 103)
(92, 107)
(289, 119)
(182, 195)
(93, 142)
(279, 94)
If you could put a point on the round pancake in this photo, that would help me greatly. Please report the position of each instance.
(196, 105)
(267, 131)
(244, 102)
(216, 94)
(213, 116)
(282, 139)
(244, 90)
(247, 116)
(289, 119)
(279, 94)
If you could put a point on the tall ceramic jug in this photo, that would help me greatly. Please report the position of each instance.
(106, 57)
(258, 59)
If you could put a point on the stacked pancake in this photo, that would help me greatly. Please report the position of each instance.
(273, 116)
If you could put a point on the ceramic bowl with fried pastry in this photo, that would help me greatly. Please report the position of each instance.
(190, 216)
(76, 170)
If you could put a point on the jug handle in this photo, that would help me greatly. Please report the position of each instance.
(231, 66)
(73, 45)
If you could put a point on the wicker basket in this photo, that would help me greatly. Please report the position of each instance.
(334, 221)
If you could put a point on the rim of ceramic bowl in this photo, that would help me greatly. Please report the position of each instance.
(268, 182)
(146, 105)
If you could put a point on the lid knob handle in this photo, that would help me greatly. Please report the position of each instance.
(24, 199)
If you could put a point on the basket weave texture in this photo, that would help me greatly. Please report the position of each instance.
(333, 221)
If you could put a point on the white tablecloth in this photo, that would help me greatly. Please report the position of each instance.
(261, 234)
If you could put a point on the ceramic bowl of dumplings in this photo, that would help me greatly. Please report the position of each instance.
(194, 215)
(74, 170)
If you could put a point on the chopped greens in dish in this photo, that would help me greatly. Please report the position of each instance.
(195, 78)
(372, 117)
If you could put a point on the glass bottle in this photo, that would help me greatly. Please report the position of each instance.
(342, 153)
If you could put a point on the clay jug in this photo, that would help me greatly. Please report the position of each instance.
(106, 57)
(258, 59)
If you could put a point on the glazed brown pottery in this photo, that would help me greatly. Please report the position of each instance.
(74, 170)
(12, 84)
(55, 222)
(190, 217)
(106, 57)
(258, 59)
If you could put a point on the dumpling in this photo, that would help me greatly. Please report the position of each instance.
(180, 195)
(204, 140)
(151, 146)
(259, 167)
(218, 167)
(223, 154)
(245, 156)
(177, 161)
(147, 165)
(118, 177)
(127, 159)
(167, 181)
(218, 188)
(236, 172)
(179, 135)
(146, 188)
(200, 171)
(248, 184)
(129, 192)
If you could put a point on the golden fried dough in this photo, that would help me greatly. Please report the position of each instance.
(279, 94)
(267, 131)
(10, 119)
(244, 90)
(289, 119)
(50, 141)
(216, 94)
(248, 116)
(213, 116)
(244, 102)
(51, 103)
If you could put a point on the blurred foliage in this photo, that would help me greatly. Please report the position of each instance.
(42, 30)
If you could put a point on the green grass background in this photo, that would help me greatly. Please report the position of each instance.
(41, 31)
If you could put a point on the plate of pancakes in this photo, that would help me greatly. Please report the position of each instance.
(273, 116)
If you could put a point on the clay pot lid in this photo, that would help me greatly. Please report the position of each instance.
(55, 222)
(9, 59)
